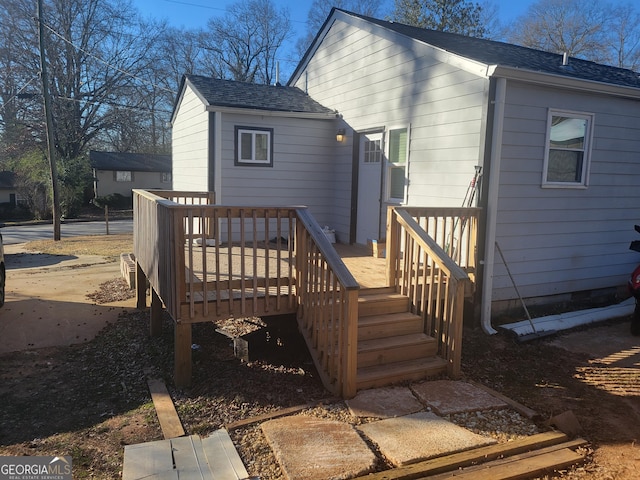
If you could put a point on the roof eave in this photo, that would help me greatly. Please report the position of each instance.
(554, 80)
(273, 113)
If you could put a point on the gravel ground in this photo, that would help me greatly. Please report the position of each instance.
(90, 400)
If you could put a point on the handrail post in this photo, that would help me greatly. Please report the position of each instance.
(393, 247)
(300, 254)
(351, 345)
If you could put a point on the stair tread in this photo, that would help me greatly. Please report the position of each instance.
(394, 342)
(400, 368)
(380, 297)
(387, 318)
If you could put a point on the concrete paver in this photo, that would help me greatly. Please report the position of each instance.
(420, 436)
(447, 397)
(384, 403)
(309, 448)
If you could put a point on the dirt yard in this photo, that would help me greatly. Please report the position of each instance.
(90, 399)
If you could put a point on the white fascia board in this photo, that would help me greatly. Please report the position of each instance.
(189, 85)
(561, 81)
(273, 113)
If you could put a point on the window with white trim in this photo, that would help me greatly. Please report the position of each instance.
(254, 146)
(398, 159)
(568, 149)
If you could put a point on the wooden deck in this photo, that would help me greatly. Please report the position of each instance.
(369, 271)
(206, 262)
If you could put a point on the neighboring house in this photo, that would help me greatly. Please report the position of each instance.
(557, 141)
(117, 172)
(8, 191)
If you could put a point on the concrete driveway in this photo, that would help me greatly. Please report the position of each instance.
(46, 299)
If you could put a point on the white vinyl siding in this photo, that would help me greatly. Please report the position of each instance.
(302, 171)
(190, 144)
(563, 240)
(383, 80)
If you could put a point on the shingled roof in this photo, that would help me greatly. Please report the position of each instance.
(134, 162)
(279, 98)
(503, 54)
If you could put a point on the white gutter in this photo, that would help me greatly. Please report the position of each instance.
(562, 81)
(492, 205)
(272, 113)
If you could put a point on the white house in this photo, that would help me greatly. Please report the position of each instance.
(556, 139)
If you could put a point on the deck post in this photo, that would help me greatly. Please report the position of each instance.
(182, 354)
(141, 288)
(155, 324)
(350, 382)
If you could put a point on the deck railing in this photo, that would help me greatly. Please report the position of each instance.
(328, 308)
(208, 262)
(429, 252)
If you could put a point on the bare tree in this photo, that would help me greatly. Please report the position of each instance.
(243, 44)
(455, 16)
(624, 38)
(320, 9)
(573, 26)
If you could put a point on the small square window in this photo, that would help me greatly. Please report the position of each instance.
(568, 149)
(123, 176)
(254, 146)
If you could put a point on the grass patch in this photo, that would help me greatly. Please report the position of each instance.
(110, 246)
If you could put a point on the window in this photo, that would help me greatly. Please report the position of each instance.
(165, 177)
(566, 163)
(372, 151)
(123, 176)
(397, 164)
(254, 146)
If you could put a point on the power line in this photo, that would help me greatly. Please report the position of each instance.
(189, 4)
(111, 104)
(18, 93)
(124, 72)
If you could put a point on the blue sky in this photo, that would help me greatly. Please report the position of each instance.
(195, 13)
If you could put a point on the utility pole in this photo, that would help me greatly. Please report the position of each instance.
(49, 127)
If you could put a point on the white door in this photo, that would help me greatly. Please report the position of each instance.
(370, 166)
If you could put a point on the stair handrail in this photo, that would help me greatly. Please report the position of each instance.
(433, 281)
(328, 306)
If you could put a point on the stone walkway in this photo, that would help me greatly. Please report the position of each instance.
(405, 430)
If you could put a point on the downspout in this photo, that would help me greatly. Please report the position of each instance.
(217, 155)
(493, 188)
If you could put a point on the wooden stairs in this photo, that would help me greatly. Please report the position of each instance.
(392, 345)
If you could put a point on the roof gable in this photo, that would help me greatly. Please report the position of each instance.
(135, 162)
(493, 53)
(7, 180)
(251, 96)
